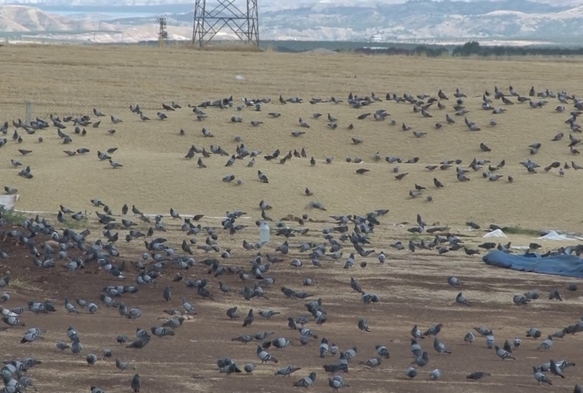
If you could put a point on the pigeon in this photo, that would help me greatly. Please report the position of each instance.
(556, 370)
(421, 360)
(546, 344)
(167, 294)
(411, 372)
(249, 318)
(416, 333)
(287, 371)
(91, 359)
(136, 383)
(337, 382)
(306, 382)
(265, 356)
(434, 375)
(248, 368)
(440, 347)
(433, 330)
(363, 326)
(382, 351)
(502, 354)
(372, 362)
(460, 299)
(477, 375)
(540, 377)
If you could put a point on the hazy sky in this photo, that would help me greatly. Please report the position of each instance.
(287, 3)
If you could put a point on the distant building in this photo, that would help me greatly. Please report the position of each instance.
(376, 38)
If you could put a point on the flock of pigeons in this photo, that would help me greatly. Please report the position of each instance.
(201, 250)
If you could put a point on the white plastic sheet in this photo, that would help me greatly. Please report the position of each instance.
(9, 201)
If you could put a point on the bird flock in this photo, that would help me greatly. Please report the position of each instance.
(202, 257)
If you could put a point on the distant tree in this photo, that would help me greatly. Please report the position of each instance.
(468, 49)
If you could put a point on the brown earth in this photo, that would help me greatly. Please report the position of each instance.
(413, 288)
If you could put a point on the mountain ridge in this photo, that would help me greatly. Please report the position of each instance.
(330, 21)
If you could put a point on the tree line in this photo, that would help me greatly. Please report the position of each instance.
(473, 48)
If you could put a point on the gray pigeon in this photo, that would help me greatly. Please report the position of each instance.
(337, 382)
(249, 367)
(502, 354)
(122, 366)
(136, 383)
(411, 372)
(416, 333)
(162, 331)
(4, 281)
(372, 362)
(533, 332)
(477, 375)
(433, 330)
(556, 370)
(421, 360)
(382, 351)
(232, 313)
(306, 382)
(91, 359)
(265, 356)
(287, 371)
(187, 307)
(363, 325)
(546, 344)
(249, 318)
(167, 295)
(483, 331)
(540, 377)
(461, 299)
(440, 347)
(268, 313)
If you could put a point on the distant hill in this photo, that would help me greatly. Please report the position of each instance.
(418, 19)
(18, 21)
(427, 19)
(30, 19)
(524, 21)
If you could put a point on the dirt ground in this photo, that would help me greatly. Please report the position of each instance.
(412, 287)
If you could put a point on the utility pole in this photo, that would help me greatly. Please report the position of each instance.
(162, 33)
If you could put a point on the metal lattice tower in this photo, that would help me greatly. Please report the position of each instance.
(241, 17)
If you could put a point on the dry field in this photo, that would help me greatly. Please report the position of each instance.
(72, 80)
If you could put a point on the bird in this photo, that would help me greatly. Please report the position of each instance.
(477, 375)
(540, 377)
(337, 382)
(363, 325)
(461, 299)
(306, 382)
(136, 383)
(503, 354)
(249, 318)
(287, 371)
(265, 356)
(440, 347)
(434, 375)
(411, 372)
(115, 164)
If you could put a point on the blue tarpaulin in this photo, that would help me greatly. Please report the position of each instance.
(561, 265)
